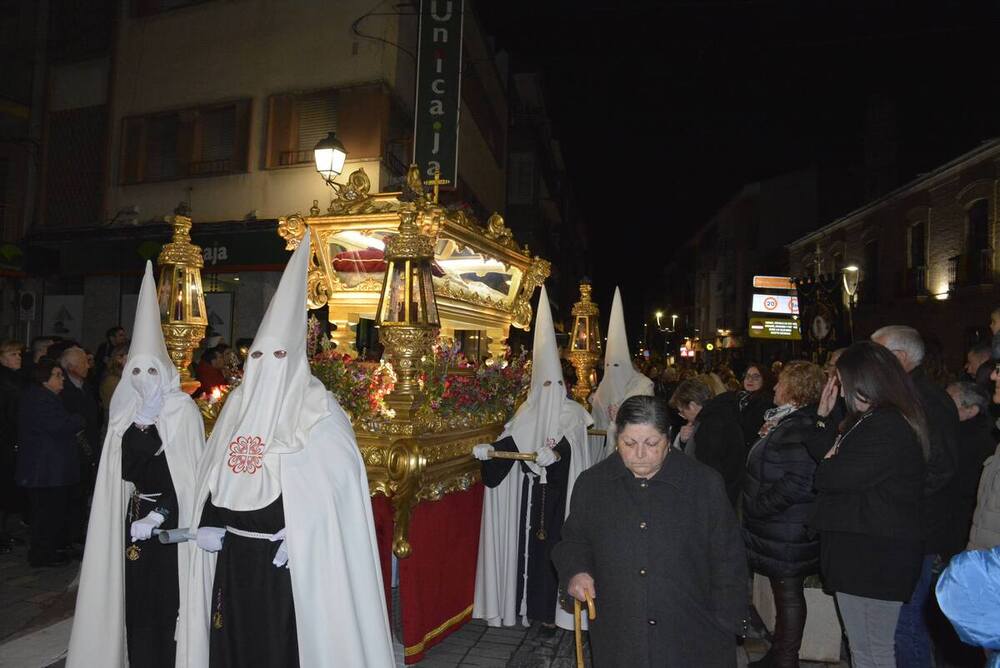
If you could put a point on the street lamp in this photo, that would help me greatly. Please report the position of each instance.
(851, 276)
(673, 321)
(330, 156)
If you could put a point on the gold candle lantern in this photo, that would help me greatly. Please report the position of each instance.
(407, 315)
(585, 344)
(182, 302)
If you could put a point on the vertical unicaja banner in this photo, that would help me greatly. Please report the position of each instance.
(439, 79)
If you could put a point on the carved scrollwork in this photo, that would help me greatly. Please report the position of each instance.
(499, 232)
(534, 277)
(355, 197)
(291, 228)
(405, 466)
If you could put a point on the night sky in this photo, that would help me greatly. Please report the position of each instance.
(665, 109)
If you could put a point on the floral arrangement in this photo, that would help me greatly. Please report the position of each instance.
(450, 384)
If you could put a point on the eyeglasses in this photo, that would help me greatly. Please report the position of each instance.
(752, 376)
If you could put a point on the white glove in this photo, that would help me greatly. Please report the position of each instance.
(143, 529)
(482, 451)
(152, 404)
(546, 456)
(210, 538)
(281, 556)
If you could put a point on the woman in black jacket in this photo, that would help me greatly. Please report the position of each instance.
(10, 394)
(778, 500)
(869, 483)
(753, 401)
(48, 462)
(712, 434)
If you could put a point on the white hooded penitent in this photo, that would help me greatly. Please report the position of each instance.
(620, 381)
(98, 636)
(281, 432)
(544, 419)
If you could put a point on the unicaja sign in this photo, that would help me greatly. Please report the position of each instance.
(439, 78)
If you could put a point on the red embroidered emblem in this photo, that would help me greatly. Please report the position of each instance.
(246, 454)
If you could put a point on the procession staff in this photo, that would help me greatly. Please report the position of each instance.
(289, 571)
(132, 585)
(621, 380)
(526, 502)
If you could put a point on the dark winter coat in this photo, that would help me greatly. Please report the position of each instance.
(976, 445)
(751, 407)
(83, 402)
(10, 393)
(718, 443)
(667, 561)
(942, 464)
(778, 500)
(868, 507)
(47, 433)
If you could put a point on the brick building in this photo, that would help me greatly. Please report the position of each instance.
(926, 252)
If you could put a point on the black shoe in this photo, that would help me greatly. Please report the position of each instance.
(763, 662)
(547, 630)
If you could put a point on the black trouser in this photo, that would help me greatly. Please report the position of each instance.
(50, 513)
(790, 621)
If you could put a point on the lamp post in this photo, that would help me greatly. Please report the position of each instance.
(851, 276)
(585, 344)
(407, 315)
(182, 302)
(330, 156)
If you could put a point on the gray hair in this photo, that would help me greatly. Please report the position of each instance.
(970, 394)
(902, 338)
(68, 355)
(643, 410)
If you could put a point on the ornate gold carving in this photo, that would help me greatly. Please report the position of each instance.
(292, 228)
(584, 360)
(404, 346)
(534, 277)
(499, 232)
(181, 340)
(180, 250)
(446, 288)
(409, 243)
(355, 197)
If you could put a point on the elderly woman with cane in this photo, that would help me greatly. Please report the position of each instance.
(652, 538)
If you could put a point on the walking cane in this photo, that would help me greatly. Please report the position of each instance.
(577, 624)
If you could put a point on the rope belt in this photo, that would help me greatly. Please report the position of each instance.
(281, 557)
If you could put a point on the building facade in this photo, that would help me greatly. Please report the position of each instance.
(926, 252)
(217, 105)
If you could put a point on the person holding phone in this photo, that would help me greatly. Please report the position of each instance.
(869, 481)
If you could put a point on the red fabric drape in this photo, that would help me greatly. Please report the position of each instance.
(382, 510)
(437, 581)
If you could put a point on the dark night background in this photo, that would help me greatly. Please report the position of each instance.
(665, 109)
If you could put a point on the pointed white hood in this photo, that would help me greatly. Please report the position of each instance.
(99, 639)
(547, 414)
(278, 402)
(620, 381)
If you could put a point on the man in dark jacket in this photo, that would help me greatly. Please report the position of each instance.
(712, 434)
(78, 396)
(912, 634)
(975, 446)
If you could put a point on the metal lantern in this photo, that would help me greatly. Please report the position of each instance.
(330, 155)
(585, 343)
(182, 302)
(407, 314)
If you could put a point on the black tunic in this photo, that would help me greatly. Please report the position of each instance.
(251, 597)
(151, 591)
(548, 510)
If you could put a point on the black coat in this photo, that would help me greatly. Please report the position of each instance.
(49, 455)
(868, 508)
(942, 464)
(10, 393)
(83, 402)
(976, 444)
(778, 500)
(667, 561)
(718, 443)
(751, 407)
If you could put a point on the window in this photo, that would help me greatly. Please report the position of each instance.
(207, 141)
(918, 245)
(978, 242)
(296, 123)
(522, 181)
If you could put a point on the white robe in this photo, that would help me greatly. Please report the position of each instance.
(98, 636)
(340, 611)
(638, 386)
(496, 566)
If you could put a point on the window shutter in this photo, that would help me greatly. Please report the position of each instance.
(279, 127)
(317, 116)
(161, 148)
(218, 135)
(241, 137)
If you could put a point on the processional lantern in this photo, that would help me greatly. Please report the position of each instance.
(182, 302)
(585, 343)
(407, 314)
(852, 277)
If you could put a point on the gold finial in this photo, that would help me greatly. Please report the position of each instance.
(436, 182)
